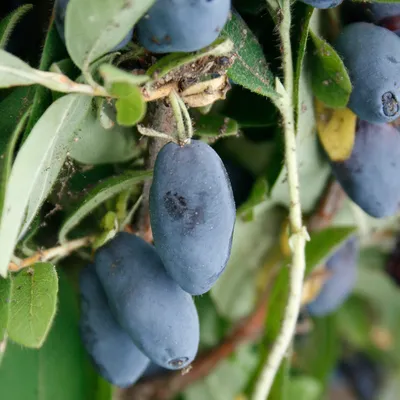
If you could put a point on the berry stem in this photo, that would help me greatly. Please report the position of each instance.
(177, 110)
(188, 120)
(299, 234)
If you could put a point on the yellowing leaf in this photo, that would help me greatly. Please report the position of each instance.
(284, 239)
(313, 285)
(336, 130)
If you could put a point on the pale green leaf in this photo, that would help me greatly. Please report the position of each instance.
(36, 168)
(95, 145)
(112, 74)
(234, 293)
(15, 72)
(53, 50)
(33, 304)
(100, 194)
(304, 388)
(99, 26)
(8, 23)
(227, 380)
(14, 110)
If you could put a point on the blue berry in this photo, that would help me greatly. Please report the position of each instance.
(192, 214)
(370, 175)
(372, 56)
(182, 25)
(159, 316)
(323, 3)
(343, 267)
(112, 351)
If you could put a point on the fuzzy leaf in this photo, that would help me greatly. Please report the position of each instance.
(36, 168)
(250, 69)
(98, 27)
(33, 304)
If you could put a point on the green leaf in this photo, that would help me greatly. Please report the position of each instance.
(14, 111)
(215, 126)
(102, 192)
(353, 322)
(5, 300)
(234, 294)
(250, 69)
(33, 304)
(112, 74)
(95, 145)
(324, 243)
(320, 364)
(330, 80)
(8, 23)
(53, 51)
(174, 61)
(227, 380)
(131, 107)
(15, 72)
(304, 388)
(36, 168)
(60, 369)
(99, 26)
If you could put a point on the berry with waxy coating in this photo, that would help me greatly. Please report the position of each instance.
(380, 11)
(159, 316)
(372, 56)
(182, 25)
(343, 268)
(323, 3)
(370, 176)
(111, 349)
(387, 15)
(192, 214)
(59, 19)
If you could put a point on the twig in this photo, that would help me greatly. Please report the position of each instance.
(299, 234)
(46, 255)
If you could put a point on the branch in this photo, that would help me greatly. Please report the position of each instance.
(47, 255)
(299, 234)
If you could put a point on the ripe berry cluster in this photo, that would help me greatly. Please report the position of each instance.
(371, 54)
(136, 298)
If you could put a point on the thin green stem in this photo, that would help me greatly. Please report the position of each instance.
(299, 235)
